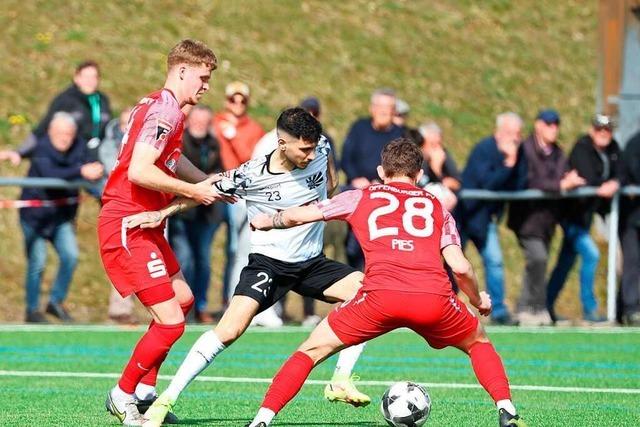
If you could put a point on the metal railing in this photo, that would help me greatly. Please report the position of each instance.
(614, 215)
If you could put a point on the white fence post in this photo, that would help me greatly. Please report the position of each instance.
(611, 261)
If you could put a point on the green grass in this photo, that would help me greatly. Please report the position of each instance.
(556, 358)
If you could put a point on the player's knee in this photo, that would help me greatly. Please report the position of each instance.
(315, 353)
(227, 334)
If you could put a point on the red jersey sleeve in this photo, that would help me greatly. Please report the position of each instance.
(340, 206)
(159, 123)
(450, 234)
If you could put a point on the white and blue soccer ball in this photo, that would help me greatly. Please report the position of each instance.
(405, 404)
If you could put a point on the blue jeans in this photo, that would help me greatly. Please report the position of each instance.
(576, 241)
(234, 224)
(192, 240)
(493, 269)
(66, 246)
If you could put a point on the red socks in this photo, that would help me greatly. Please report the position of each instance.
(151, 377)
(288, 381)
(150, 352)
(489, 370)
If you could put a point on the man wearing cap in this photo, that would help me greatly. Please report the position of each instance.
(235, 130)
(596, 158)
(237, 134)
(534, 221)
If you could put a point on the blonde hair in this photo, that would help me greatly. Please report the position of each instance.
(192, 52)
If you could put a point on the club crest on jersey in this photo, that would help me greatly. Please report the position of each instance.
(163, 129)
(315, 180)
(172, 160)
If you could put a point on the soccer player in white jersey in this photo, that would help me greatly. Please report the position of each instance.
(299, 172)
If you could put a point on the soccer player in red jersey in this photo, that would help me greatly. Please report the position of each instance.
(404, 231)
(150, 171)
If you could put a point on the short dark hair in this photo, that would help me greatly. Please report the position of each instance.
(87, 64)
(298, 123)
(401, 157)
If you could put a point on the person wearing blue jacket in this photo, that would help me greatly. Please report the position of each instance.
(496, 163)
(50, 213)
(361, 154)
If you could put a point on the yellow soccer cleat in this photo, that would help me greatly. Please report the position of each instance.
(157, 412)
(343, 389)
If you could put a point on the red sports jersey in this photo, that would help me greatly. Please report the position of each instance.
(402, 230)
(156, 120)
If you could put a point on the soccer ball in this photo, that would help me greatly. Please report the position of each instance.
(405, 404)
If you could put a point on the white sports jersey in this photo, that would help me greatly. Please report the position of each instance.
(267, 192)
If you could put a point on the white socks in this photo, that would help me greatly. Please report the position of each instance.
(145, 391)
(264, 416)
(507, 406)
(202, 353)
(347, 360)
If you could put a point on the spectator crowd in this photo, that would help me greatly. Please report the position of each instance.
(78, 138)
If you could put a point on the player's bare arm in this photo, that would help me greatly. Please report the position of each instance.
(332, 177)
(467, 281)
(143, 172)
(187, 171)
(287, 218)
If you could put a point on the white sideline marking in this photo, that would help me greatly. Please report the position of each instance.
(15, 327)
(320, 382)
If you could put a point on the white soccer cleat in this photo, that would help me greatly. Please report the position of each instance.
(268, 318)
(124, 408)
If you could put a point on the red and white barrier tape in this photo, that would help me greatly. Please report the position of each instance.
(20, 204)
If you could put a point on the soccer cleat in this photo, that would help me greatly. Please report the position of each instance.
(260, 424)
(124, 409)
(158, 412)
(344, 390)
(144, 405)
(507, 420)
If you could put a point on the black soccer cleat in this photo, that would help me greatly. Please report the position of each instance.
(262, 424)
(508, 420)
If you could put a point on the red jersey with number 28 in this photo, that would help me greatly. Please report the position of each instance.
(156, 120)
(402, 230)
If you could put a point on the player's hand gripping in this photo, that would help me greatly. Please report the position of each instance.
(204, 192)
(149, 219)
(484, 306)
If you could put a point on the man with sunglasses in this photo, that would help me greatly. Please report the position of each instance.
(596, 157)
(237, 132)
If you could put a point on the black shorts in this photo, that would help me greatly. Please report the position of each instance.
(266, 279)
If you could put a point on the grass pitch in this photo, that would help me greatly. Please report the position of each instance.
(57, 376)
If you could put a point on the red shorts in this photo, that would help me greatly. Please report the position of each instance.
(136, 259)
(441, 320)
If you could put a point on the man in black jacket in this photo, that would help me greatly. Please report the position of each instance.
(534, 221)
(88, 106)
(50, 213)
(596, 157)
(630, 238)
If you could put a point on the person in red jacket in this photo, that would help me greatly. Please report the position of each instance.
(237, 133)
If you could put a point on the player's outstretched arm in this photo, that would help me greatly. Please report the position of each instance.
(187, 171)
(467, 280)
(287, 218)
